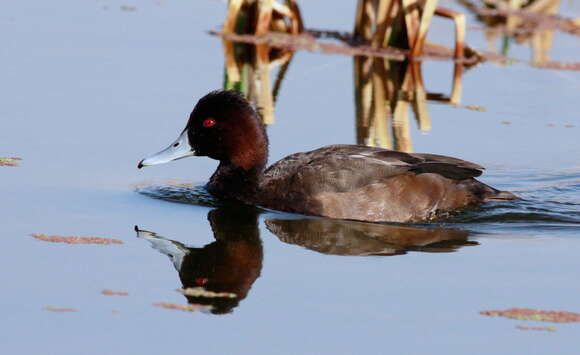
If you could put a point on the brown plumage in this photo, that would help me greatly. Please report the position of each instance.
(338, 181)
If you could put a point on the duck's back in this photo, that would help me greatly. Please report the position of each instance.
(372, 184)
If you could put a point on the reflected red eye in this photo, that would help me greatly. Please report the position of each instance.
(210, 122)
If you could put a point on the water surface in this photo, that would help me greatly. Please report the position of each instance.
(89, 89)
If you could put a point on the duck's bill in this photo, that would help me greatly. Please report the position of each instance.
(177, 150)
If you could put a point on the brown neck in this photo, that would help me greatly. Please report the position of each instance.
(247, 146)
(251, 158)
(243, 157)
(232, 182)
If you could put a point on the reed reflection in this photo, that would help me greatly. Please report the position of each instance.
(217, 276)
(249, 68)
(517, 20)
(385, 92)
(404, 24)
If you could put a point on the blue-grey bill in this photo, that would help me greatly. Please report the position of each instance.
(179, 149)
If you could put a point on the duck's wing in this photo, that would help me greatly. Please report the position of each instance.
(448, 167)
(346, 167)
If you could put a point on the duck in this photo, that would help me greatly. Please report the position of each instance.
(350, 182)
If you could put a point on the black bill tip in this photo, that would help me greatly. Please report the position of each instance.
(140, 165)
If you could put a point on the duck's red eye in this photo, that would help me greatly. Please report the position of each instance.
(210, 122)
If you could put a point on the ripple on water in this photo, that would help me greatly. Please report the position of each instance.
(550, 201)
(180, 193)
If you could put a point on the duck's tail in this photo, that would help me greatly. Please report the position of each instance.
(498, 196)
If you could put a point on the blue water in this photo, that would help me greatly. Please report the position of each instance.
(90, 89)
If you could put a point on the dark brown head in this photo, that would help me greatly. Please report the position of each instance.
(222, 126)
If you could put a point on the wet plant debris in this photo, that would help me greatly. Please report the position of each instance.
(57, 309)
(9, 161)
(535, 315)
(545, 329)
(475, 108)
(108, 292)
(76, 240)
(181, 307)
(127, 8)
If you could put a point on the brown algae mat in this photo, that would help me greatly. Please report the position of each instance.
(76, 240)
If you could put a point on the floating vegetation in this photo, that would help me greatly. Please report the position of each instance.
(56, 309)
(397, 30)
(10, 161)
(475, 108)
(76, 240)
(546, 329)
(108, 292)
(127, 8)
(308, 41)
(202, 292)
(182, 307)
(535, 315)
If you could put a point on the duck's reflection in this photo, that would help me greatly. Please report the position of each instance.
(219, 275)
(339, 237)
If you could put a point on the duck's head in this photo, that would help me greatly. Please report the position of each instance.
(223, 126)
